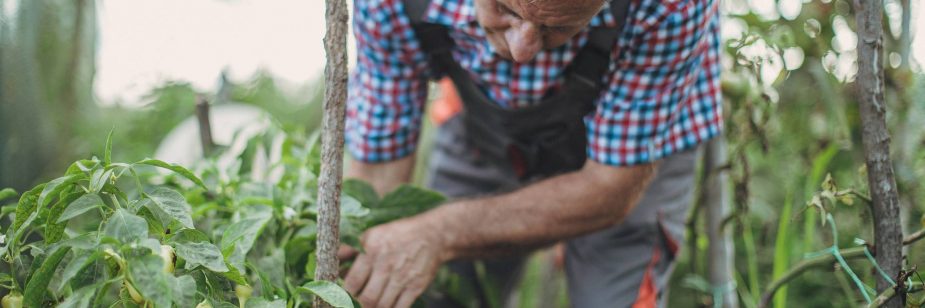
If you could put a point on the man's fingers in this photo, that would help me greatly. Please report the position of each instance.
(407, 298)
(373, 290)
(358, 275)
(345, 252)
(390, 295)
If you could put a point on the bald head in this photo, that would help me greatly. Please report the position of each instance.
(518, 29)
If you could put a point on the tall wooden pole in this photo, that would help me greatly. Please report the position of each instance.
(332, 141)
(717, 202)
(876, 138)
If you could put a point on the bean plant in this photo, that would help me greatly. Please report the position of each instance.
(236, 230)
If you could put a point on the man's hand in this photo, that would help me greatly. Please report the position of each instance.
(400, 260)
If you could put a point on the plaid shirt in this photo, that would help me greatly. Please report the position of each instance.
(662, 92)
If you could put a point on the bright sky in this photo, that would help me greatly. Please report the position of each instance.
(144, 42)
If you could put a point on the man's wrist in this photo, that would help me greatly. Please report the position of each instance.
(439, 231)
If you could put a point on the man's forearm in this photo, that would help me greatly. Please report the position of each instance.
(561, 207)
(385, 176)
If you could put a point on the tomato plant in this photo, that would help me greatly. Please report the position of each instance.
(236, 230)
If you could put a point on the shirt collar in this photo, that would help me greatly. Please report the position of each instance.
(462, 12)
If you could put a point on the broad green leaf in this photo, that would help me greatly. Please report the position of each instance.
(55, 187)
(329, 292)
(25, 212)
(81, 166)
(126, 227)
(184, 291)
(149, 278)
(107, 154)
(189, 236)
(7, 193)
(361, 191)
(405, 201)
(80, 298)
(38, 284)
(86, 241)
(201, 253)
(350, 231)
(54, 230)
(81, 205)
(169, 203)
(175, 168)
(241, 235)
(99, 179)
(260, 302)
(80, 261)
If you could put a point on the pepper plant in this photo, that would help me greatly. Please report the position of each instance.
(236, 230)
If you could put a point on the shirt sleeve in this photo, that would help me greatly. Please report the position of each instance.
(664, 94)
(388, 88)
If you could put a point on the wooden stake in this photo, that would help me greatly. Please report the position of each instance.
(885, 198)
(205, 126)
(332, 142)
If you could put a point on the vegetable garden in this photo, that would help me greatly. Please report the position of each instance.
(784, 214)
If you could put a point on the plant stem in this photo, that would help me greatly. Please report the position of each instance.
(802, 266)
(848, 253)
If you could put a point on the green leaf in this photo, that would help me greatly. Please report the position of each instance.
(54, 230)
(361, 191)
(259, 302)
(189, 236)
(99, 179)
(168, 203)
(25, 211)
(7, 193)
(55, 187)
(37, 286)
(80, 298)
(149, 278)
(80, 261)
(81, 205)
(405, 201)
(241, 235)
(329, 292)
(107, 155)
(184, 291)
(201, 253)
(126, 227)
(175, 168)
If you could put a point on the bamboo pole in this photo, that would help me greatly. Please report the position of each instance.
(332, 142)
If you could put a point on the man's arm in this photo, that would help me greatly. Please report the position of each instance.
(596, 197)
(401, 258)
(384, 177)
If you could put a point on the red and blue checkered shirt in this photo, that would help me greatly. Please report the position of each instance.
(662, 92)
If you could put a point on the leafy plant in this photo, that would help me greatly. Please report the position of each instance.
(240, 231)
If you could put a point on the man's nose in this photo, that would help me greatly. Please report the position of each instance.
(524, 40)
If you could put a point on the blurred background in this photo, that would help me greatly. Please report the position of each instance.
(72, 70)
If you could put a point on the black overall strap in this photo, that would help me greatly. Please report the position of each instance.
(540, 140)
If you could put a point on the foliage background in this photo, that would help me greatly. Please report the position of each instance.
(790, 108)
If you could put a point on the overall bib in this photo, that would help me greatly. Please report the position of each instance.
(488, 150)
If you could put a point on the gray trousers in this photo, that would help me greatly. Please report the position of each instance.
(627, 265)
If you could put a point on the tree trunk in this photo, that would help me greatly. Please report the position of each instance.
(876, 138)
(332, 142)
(717, 207)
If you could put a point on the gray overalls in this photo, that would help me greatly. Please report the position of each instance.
(487, 149)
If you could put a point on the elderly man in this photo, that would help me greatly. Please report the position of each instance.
(581, 123)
